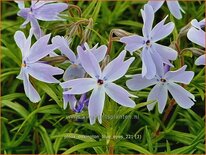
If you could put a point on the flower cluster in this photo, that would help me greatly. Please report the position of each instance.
(88, 71)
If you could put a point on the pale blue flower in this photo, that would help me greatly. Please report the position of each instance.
(152, 53)
(40, 10)
(31, 64)
(165, 82)
(101, 82)
(75, 70)
(197, 36)
(173, 6)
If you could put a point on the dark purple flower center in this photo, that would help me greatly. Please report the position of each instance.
(163, 80)
(30, 11)
(100, 81)
(148, 42)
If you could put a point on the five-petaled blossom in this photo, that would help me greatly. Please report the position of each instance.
(101, 82)
(173, 6)
(75, 70)
(40, 10)
(197, 35)
(152, 53)
(165, 82)
(32, 65)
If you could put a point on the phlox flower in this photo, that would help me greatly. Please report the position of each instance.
(75, 70)
(101, 82)
(173, 6)
(165, 82)
(32, 65)
(197, 36)
(40, 10)
(152, 53)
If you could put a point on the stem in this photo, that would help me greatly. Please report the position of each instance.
(168, 110)
(111, 149)
(172, 102)
(37, 141)
(179, 52)
(71, 6)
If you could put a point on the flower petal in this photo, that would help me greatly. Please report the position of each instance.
(79, 86)
(71, 99)
(148, 18)
(202, 23)
(162, 99)
(24, 13)
(99, 52)
(25, 23)
(20, 40)
(175, 8)
(148, 65)
(73, 72)
(165, 52)
(119, 95)
(133, 42)
(27, 43)
(20, 3)
(159, 92)
(89, 63)
(96, 104)
(30, 92)
(63, 46)
(161, 31)
(180, 75)
(197, 24)
(201, 60)
(37, 3)
(38, 33)
(21, 74)
(156, 5)
(44, 72)
(158, 61)
(50, 12)
(196, 36)
(113, 72)
(181, 96)
(40, 49)
(138, 82)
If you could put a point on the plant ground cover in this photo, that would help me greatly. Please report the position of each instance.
(46, 128)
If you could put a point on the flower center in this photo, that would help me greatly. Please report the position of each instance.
(23, 64)
(30, 11)
(100, 82)
(163, 80)
(148, 43)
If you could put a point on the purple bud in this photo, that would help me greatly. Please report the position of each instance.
(82, 101)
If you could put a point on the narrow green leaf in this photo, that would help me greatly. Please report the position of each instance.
(83, 146)
(46, 139)
(149, 140)
(17, 107)
(50, 91)
(133, 147)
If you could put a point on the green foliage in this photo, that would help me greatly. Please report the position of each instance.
(46, 128)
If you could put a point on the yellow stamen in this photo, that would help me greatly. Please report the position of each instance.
(23, 65)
